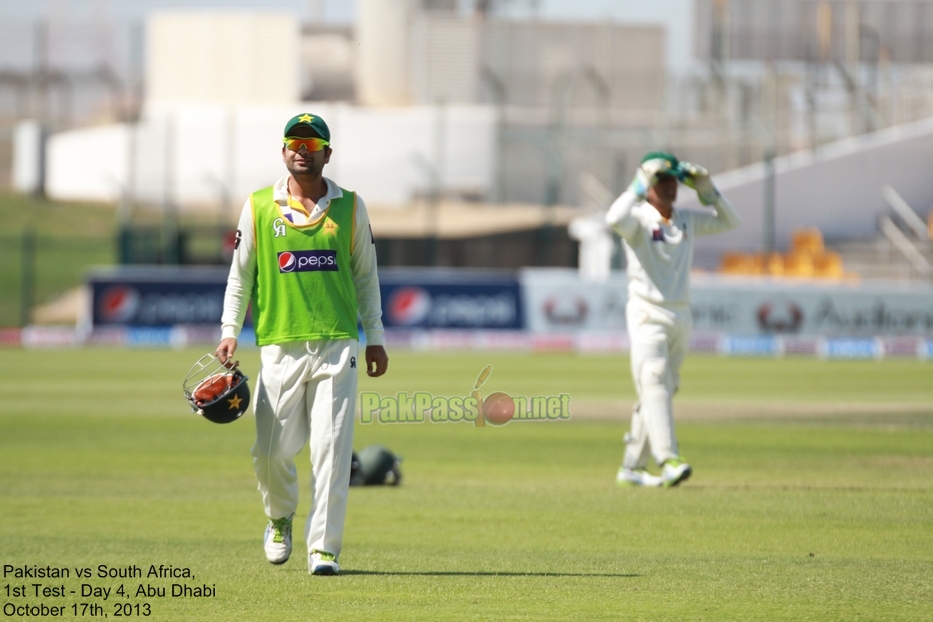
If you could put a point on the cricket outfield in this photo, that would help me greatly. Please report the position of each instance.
(811, 498)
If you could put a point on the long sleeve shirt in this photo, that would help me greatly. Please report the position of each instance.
(659, 251)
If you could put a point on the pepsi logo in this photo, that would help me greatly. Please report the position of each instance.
(287, 262)
(409, 306)
(118, 304)
(308, 261)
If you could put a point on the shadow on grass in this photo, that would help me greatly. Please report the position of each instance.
(446, 573)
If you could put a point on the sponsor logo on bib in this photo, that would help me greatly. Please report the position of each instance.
(308, 261)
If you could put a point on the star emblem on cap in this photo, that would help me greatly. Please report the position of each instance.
(234, 402)
(306, 118)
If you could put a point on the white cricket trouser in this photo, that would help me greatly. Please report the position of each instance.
(659, 339)
(307, 390)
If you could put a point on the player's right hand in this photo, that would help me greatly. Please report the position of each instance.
(647, 176)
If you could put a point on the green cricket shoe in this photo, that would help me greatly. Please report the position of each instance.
(674, 472)
(323, 563)
(277, 540)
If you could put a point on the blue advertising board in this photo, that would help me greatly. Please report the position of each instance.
(751, 345)
(154, 296)
(411, 298)
(851, 348)
(450, 299)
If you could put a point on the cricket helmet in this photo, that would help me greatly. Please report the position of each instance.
(216, 391)
(376, 465)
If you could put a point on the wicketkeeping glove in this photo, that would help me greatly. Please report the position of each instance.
(698, 178)
(647, 176)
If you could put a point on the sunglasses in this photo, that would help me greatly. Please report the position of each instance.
(311, 144)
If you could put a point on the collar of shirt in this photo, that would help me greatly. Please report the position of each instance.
(298, 215)
(653, 216)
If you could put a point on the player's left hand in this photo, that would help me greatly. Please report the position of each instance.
(377, 361)
(697, 177)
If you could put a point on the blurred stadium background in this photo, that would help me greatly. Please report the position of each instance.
(487, 137)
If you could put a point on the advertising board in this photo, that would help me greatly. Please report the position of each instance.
(449, 299)
(157, 297)
(558, 300)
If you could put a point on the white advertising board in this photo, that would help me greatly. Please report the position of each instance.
(559, 301)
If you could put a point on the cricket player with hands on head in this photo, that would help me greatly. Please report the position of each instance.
(658, 241)
(305, 259)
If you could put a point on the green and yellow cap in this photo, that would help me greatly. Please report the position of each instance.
(316, 124)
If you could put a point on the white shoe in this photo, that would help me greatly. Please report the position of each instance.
(637, 477)
(278, 539)
(675, 471)
(322, 563)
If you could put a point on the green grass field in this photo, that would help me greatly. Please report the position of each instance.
(812, 496)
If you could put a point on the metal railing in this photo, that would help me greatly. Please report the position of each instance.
(915, 252)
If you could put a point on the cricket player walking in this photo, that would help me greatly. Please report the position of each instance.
(305, 260)
(658, 241)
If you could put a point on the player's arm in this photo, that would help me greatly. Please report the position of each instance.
(724, 219)
(366, 281)
(620, 216)
(725, 216)
(240, 282)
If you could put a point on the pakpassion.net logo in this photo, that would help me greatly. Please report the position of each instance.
(497, 408)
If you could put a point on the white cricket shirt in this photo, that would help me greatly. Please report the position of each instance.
(659, 252)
